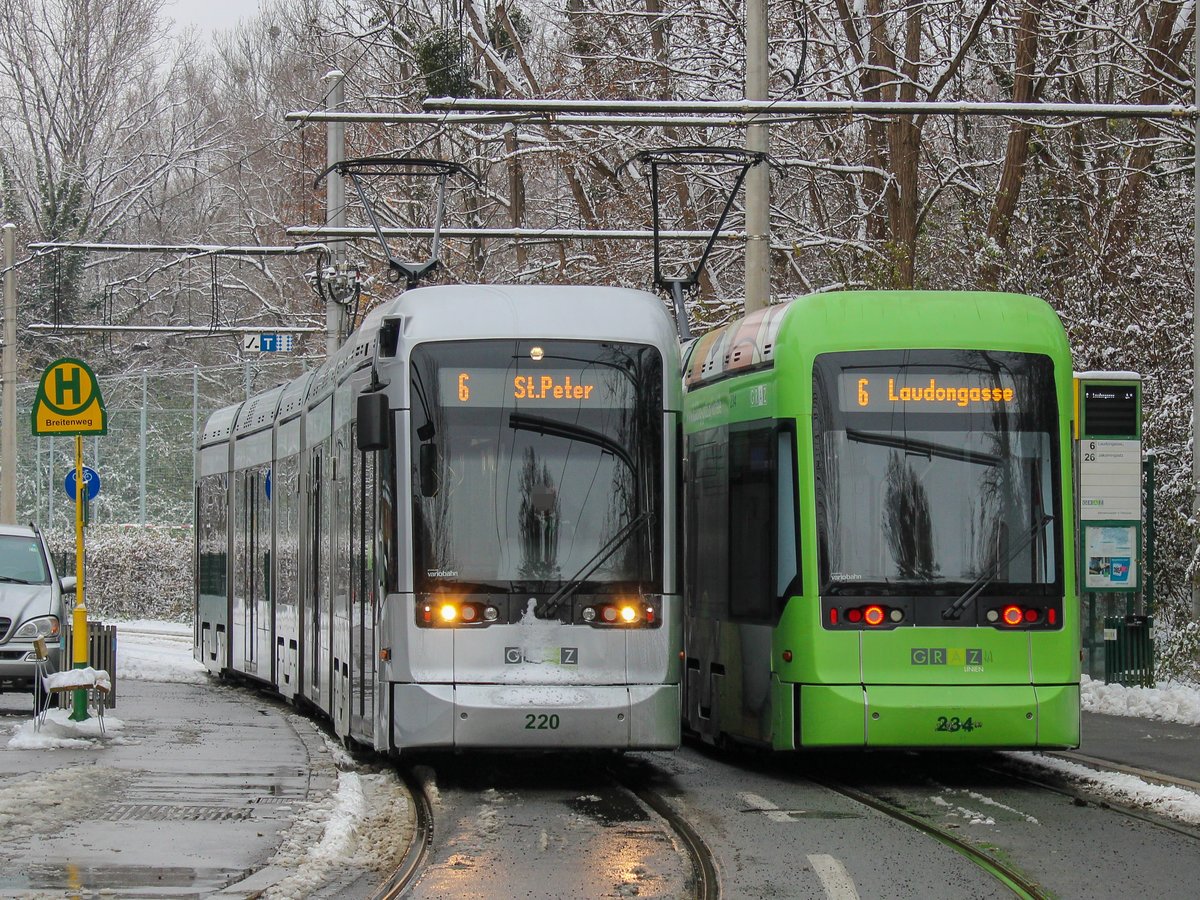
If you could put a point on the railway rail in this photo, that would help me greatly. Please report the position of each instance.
(706, 879)
(1010, 877)
(1049, 781)
(415, 857)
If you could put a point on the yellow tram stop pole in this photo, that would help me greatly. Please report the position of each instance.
(69, 403)
(79, 635)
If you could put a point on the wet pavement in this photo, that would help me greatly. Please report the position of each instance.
(196, 791)
(189, 797)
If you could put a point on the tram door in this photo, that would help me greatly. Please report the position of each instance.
(362, 595)
(342, 581)
(316, 521)
(246, 570)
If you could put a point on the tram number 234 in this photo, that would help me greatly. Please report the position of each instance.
(954, 723)
(541, 722)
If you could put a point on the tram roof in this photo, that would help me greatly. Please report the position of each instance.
(875, 320)
(466, 312)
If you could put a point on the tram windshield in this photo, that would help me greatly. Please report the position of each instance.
(535, 463)
(936, 470)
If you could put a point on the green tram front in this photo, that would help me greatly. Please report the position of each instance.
(903, 460)
(936, 487)
(542, 611)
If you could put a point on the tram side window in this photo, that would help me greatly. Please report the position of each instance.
(753, 523)
(787, 580)
(387, 555)
(708, 523)
(213, 542)
(284, 484)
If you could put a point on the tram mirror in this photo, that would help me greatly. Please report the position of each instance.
(372, 413)
(427, 469)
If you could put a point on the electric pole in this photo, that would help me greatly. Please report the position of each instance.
(8, 440)
(335, 207)
(758, 182)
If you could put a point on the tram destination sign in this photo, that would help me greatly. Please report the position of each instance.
(876, 390)
(496, 387)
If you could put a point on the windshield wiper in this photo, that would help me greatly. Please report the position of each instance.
(575, 582)
(954, 610)
(572, 432)
(927, 449)
(8, 579)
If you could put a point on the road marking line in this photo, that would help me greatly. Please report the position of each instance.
(834, 878)
(766, 807)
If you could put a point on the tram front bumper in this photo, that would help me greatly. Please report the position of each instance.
(526, 716)
(943, 716)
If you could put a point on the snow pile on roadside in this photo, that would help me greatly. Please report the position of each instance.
(1129, 790)
(364, 822)
(1170, 703)
(59, 732)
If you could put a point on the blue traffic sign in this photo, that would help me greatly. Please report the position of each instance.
(90, 477)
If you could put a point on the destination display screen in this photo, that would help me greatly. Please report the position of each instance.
(495, 387)
(877, 390)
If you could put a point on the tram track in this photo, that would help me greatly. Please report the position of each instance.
(705, 877)
(415, 857)
(1013, 880)
(1048, 780)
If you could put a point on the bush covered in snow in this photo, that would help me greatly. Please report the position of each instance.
(132, 572)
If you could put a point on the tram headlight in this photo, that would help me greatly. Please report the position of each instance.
(440, 612)
(623, 613)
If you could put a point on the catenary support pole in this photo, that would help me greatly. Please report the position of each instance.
(8, 435)
(758, 187)
(1196, 329)
(335, 203)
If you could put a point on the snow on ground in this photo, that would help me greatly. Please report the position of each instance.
(362, 821)
(1128, 790)
(1169, 703)
(157, 651)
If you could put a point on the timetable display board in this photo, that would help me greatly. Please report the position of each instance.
(1109, 465)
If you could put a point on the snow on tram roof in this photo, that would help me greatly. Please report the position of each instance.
(473, 311)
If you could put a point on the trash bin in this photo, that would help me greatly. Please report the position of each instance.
(1129, 651)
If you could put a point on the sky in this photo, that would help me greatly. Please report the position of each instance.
(209, 15)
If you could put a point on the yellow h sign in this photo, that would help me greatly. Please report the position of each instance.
(69, 401)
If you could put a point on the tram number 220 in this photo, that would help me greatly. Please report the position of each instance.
(541, 722)
(954, 723)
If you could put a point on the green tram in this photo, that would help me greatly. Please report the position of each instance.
(879, 525)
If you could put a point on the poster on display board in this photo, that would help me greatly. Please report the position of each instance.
(1110, 557)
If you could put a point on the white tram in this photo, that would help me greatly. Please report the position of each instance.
(460, 530)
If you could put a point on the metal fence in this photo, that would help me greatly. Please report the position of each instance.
(145, 461)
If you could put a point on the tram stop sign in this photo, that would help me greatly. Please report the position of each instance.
(69, 401)
(91, 479)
